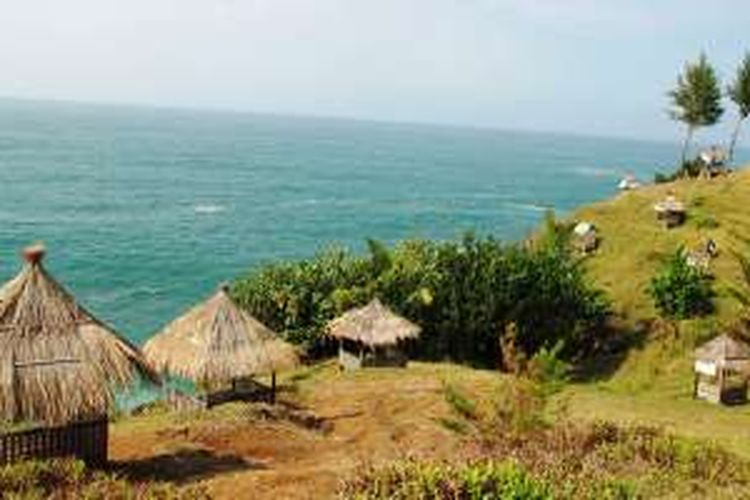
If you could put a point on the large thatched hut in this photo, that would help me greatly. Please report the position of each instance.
(372, 335)
(216, 344)
(721, 370)
(59, 368)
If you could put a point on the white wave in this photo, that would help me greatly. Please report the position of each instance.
(530, 207)
(209, 209)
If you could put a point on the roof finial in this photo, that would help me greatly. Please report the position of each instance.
(34, 253)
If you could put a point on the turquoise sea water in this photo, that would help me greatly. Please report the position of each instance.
(145, 211)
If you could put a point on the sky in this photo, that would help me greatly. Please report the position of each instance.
(583, 66)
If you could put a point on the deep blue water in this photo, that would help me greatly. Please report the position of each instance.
(145, 211)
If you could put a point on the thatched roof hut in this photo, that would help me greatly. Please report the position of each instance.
(373, 327)
(725, 351)
(721, 370)
(58, 363)
(671, 211)
(585, 237)
(217, 342)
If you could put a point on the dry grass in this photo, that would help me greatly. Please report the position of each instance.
(370, 416)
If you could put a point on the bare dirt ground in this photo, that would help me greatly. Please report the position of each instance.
(327, 424)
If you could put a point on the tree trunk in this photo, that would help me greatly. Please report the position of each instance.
(686, 145)
(733, 143)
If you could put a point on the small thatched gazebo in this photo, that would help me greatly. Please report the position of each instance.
(721, 370)
(216, 344)
(372, 335)
(59, 368)
(585, 237)
(671, 211)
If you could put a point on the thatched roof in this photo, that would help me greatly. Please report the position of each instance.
(724, 349)
(217, 341)
(57, 362)
(670, 204)
(373, 325)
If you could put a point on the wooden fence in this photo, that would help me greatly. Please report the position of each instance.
(84, 440)
(245, 390)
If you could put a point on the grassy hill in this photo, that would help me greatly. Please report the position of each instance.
(653, 382)
(634, 244)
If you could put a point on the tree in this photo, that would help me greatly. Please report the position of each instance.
(739, 92)
(680, 291)
(697, 99)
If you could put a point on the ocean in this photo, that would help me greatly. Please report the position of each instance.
(145, 211)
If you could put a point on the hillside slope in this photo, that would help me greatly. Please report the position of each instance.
(634, 244)
(653, 382)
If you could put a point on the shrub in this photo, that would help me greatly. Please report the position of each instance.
(705, 221)
(67, 478)
(565, 461)
(462, 293)
(681, 291)
(660, 178)
(548, 370)
(475, 481)
(459, 402)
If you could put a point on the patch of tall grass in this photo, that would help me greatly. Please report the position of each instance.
(69, 479)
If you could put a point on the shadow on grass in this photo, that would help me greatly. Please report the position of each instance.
(183, 466)
(609, 356)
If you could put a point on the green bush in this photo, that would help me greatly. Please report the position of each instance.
(705, 221)
(681, 291)
(548, 370)
(462, 293)
(67, 478)
(660, 178)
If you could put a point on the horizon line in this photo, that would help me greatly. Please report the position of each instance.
(314, 116)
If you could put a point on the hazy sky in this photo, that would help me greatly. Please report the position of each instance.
(588, 66)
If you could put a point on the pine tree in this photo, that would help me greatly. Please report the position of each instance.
(697, 99)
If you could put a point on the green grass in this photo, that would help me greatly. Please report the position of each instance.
(634, 244)
(653, 383)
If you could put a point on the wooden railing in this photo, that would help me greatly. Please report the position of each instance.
(84, 440)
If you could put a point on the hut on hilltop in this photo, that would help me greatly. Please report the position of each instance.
(372, 335)
(671, 211)
(721, 370)
(59, 369)
(585, 237)
(216, 344)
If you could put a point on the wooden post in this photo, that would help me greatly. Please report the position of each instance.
(273, 388)
(341, 354)
(696, 380)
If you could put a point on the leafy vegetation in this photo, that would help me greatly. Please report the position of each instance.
(739, 93)
(463, 293)
(477, 481)
(680, 290)
(696, 99)
(559, 460)
(65, 478)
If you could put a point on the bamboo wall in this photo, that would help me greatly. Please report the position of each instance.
(86, 441)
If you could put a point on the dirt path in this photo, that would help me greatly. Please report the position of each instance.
(367, 417)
